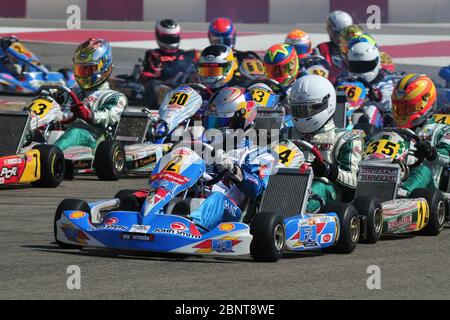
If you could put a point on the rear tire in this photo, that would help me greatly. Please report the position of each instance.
(128, 201)
(109, 162)
(349, 228)
(436, 204)
(371, 208)
(52, 166)
(267, 229)
(69, 204)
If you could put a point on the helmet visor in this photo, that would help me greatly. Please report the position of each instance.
(307, 109)
(228, 41)
(85, 70)
(169, 38)
(404, 108)
(278, 71)
(362, 66)
(213, 69)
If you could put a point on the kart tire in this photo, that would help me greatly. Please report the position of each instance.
(109, 161)
(436, 204)
(128, 201)
(371, 208)
(52, 166)
(268, 231)
(69, 204)
(349, 227)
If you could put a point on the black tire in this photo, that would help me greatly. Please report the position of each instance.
(436, 204)
(52, 166)
(128, 201)
(371, 208)
(349, 227)
(178, 206)
(69, 204)
(267, 229)
(109, 161)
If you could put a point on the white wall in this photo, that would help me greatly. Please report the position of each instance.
(298, 11)
(416, 11)
(181, 10)
(53, 9)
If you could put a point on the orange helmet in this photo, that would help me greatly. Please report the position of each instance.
(301, 41)
(413, 100)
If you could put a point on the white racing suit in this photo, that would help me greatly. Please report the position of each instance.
(107, 106)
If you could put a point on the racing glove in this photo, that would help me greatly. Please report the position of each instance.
(425, 149)
(82, 112)
(226, 165)
(325, 169)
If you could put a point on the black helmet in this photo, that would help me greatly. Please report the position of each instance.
(168, 34)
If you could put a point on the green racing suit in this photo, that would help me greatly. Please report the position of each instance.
(107, 106)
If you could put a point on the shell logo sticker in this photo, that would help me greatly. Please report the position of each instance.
(77, 215)
(226, 227)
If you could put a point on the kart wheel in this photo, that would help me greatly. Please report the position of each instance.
(109, 162)
(52, 166)
(371, 208)
(69, 204)
(349, 227)
(267, 229)
(436, 204)
(128, 201)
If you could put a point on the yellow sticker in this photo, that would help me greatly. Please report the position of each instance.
(353, 92)
(383, 146)
(18, 47)
(318, 70)
(32, 171)
(442, 118)
(253, 66)
(41, 107)
(178, 99)
(285, 154)
(261, 97)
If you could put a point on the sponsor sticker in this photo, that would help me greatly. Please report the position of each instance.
(111, 221)
(7, 173)
(220, 245)
(226, 227)
(137, 228)
(178, 226)
(177, 232)
(326, 238)
(77, 215)
(137, 236)
(13, 161)
(109, 227)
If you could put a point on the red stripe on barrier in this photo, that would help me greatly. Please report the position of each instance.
(250, 11)
(115, 10)
(13, 8)
(424, 49)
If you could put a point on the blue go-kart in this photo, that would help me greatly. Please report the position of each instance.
(275, 223)
(25, 73)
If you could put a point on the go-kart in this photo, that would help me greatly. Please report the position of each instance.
(314, 64)
(23, 162)
(250, 68)
(161, 222)
(32, 74)
(384, 167)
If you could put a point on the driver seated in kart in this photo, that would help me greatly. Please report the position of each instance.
(100, 107)
(330, 50)
(312, 103)
(414, 102)
(167, 61)
(9, 63)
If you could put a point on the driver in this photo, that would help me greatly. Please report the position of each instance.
(281, 64)
(168, 60)
(414, 102)
(312, 103)
(9, 63)
(100, 107)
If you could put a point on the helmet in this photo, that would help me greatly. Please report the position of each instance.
(168, 35)
(312, 102)
(365, 37)
(230, 108)
(364, 61)
(6, 42)
(216, 66)
(346, 35)
(92, 63)
(413, 100)
(222, 31)
(281, 64)
(301, 41)
(336, 21)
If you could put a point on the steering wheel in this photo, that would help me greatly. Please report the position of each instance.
(273, 84)
(59, 92)
(203, 89)
(314, 60)
(301, 144)
(410, 135)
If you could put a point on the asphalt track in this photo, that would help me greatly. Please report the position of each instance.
(32, 266)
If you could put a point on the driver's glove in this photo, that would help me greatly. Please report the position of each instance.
(325, 169)
(223, 161)
(82, 112)
(425, 149)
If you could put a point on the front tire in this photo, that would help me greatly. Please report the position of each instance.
(52, 166)
(436, 204)
(349, 227)
(370, 207)
(109, 162)
(267, 229)
(69, 204)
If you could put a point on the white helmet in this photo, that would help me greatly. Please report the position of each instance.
(337, 20)
(364, 60)
(312, 103)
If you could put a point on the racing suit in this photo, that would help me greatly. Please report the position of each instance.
(160, 66)
(339, 147)
(106, 105)
(330, 51)
(8, 64)
(428, 174)
(226, 199)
